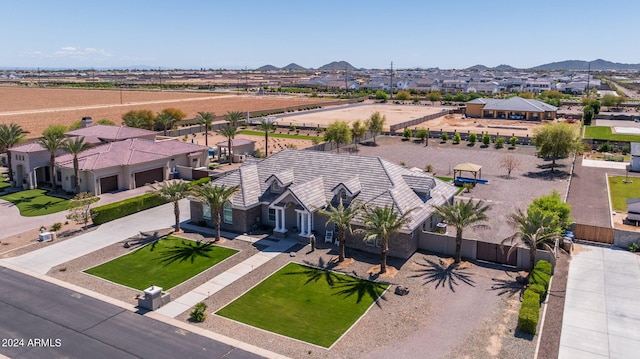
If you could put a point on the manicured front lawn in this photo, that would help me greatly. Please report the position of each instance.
(604, 133)
(620, 192)
(304, 303)
(165, 263)
(35, 202)
(3, 181)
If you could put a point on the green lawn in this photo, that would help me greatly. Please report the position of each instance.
(165, 263)
(445, 179)
(280, 135)
(35, 202)
(304, 303)
(3, 182)
(604, 133)
(620, 192)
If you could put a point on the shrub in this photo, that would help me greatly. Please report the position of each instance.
(586, 147)
(633, 247)
(428, 168)
(486, 139)
(544, 267)
(499, 142)
(539, 277)
(407, 133)
(56, 226)
(539, 289)
(473, 138)
(198, 314)
(444, 136)
(456, 138)
(605, 147)
(513, 141)
(529, 312)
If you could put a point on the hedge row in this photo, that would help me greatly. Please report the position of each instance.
(109, 212)
(539, 280)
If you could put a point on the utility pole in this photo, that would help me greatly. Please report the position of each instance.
(160, 78)
(346, 87)
(588, 77)
(246, 80)
(392, 80)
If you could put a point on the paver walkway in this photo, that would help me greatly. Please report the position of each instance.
(42, 260)
(188, 300)
(602, 306)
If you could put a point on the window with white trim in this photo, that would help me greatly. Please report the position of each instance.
(227, 213)
(372, 242)
(272, 214)
(275, 186)
(206, 212)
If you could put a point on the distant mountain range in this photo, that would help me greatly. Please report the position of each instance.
(333, 66)
(567, 65)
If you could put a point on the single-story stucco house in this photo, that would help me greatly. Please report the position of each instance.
(514, 108)
(286, 190)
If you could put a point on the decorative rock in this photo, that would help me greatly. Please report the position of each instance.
(402, 290)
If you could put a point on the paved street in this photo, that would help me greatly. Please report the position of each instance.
(77, 326)
(602, 305)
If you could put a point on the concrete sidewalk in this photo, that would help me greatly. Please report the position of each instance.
(188, 300)
(602, 304)
(605, 164)
(42, 260)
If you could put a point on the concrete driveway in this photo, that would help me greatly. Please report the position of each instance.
(602, 305)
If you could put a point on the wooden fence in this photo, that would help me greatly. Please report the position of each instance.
(586, 232)
(402, 125)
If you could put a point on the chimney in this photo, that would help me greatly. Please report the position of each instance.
(86, 122)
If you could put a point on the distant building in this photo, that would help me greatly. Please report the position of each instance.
(514, 108)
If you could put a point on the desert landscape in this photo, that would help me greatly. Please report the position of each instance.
(35, 108)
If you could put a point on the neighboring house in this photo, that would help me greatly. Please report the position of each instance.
(286, 190)
(536, 86)
(633, 209)
(107, 168)
(635, 156)
(514, 108)
(240, 147)
(129, 164)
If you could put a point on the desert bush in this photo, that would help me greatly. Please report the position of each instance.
(473, 138)
(499, 142)
(198, 314)
(444, 136)
(456, 138)
(513, 141)
(56, 226)
(486, 139)
(407, 133)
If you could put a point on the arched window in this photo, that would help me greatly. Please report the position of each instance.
(227, 213)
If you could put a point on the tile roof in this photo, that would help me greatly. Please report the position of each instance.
(128, 152)
(514, 104)
(235, 142)
(110, 133)
(28, 148)
(316, 174)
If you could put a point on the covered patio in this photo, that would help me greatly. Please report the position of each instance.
(472, 168)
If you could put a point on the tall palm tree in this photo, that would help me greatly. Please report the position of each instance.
(380, 224)
(230, 133)
(341, 216)
(234, 117)
(206, 118)
(53, 142)
(215, 196)
(74, 146)
(266, 127)
(172, 192)
(463, 214)
(534, 229)
(10, 135)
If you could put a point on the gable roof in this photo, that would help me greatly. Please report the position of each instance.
(127, 153)
(514, 104)
(28, 148)
(314, 176)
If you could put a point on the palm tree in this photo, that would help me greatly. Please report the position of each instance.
(534, 229)
(10, 135)
(379, 224)
(233, 117)
(266, 127)
(230, 133)
(172, 192)
(463, 214)
(52, 142)
(165, 121)
(206, 118)
(341, 216)
(74, 146)
(215, 196)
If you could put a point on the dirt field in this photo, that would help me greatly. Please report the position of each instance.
(394, 113)
(503, 127)
(275, 144)
(34, 109)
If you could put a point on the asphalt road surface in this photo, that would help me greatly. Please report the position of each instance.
(41, 320)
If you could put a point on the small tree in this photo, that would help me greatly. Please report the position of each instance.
(407, 133)
(509, 163)
(206, 118)
(80, 208)
(423, 135)
(553, 206)
(382, 96)
(199, 312)
(513, 141)
(499, 142)
(403, 95)
(266, 127)
(139, 119)
(339, 133)
(473, 138)
(587, 115)
(10, 135)
(556, 141)
(341, 216)
(375, 124)
(444, 136)
(486, 139)
(172, 192)
(456, 138)
(434, 96)
(358, 131)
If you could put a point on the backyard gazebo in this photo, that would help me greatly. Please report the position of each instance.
(467, 167)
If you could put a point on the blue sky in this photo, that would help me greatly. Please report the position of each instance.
(370, 34)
